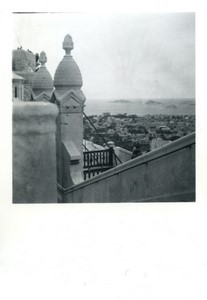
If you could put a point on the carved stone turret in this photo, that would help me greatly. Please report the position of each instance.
(42, 84)
(70, 100)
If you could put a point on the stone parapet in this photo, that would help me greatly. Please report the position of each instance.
(34, 152)
(123, 154)
(166, 174)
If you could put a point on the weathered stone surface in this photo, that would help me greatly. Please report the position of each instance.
(34, 153)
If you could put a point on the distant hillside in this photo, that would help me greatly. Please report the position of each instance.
(121, 101)
(188, 102)
(153, 102)
(171, 106)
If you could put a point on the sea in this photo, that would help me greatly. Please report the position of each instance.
(141, 107)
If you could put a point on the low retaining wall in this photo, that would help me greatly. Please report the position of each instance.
(165, 174)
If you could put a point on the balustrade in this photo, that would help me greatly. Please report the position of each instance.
(98, 161)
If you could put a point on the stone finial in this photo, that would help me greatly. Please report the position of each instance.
(42, 83)
(68, 44)
(43, 58)
(67, 75)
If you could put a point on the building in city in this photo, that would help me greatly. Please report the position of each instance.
(18, 83)
(24, 64)
(49, 161)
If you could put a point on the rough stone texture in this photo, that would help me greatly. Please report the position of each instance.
(165, 174)
(34, 154)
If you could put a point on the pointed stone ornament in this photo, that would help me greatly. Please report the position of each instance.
(43, 58)
(68, 75)
(42, 84)
(68, 44)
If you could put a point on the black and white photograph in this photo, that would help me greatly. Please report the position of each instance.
(103, 107)
(103, 150)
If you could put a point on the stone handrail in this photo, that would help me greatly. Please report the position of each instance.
(123, 154)
(165, 174)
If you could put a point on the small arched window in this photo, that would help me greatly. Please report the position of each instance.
(15, 92)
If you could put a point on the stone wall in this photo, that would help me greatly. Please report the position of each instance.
(34, 155)
(123, 154)
(165, 174)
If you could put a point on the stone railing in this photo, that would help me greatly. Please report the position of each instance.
(96, 162)
(34, 154)
(163, 175)
(123, 154)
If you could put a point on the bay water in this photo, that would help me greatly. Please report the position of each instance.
(141, 107)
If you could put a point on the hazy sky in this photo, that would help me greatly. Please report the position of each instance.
(120, 56)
